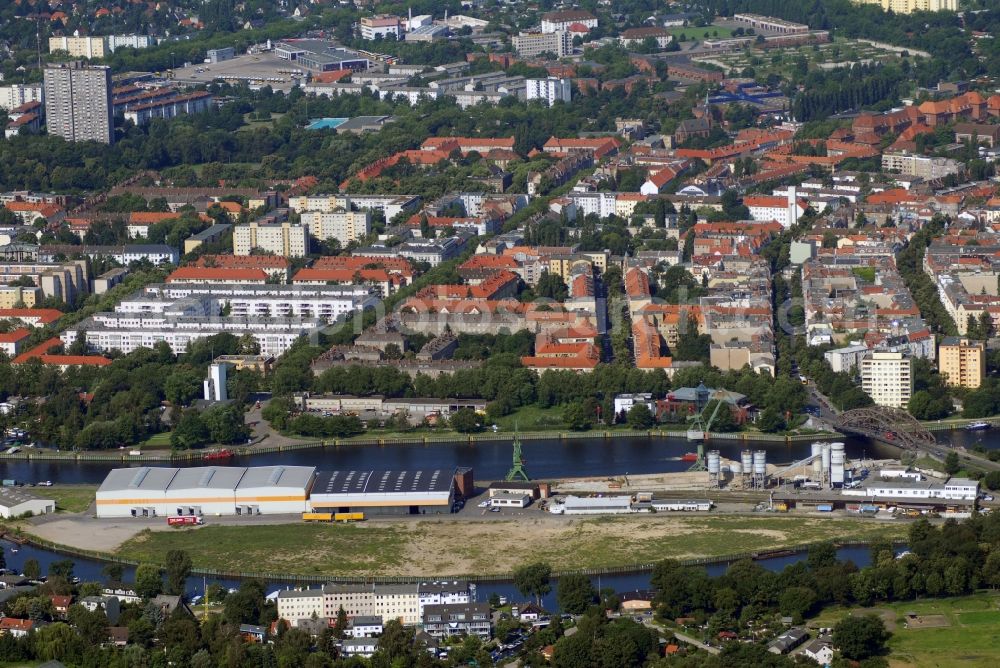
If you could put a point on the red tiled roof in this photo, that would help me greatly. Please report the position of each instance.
(44, 315)
(15, 336)
(243, 261)
(41, 352)
(221, 274)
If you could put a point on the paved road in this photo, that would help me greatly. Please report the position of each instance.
(681, 636)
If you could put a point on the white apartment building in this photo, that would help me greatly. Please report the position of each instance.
(389, 205)
(80, 47)
(326, 302)
(17, 94)
(130, 42)
(887, 377)
(294, 605)
(404, 602)
(785, 210)
(284, 239)
(553, 21)
(601, 204)
(550, 89)
(842, 360)
(344, 226)
(126, 332)
(532, 44)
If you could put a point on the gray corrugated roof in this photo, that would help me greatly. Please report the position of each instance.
(208, 477)
(277, 476)
(155, 478)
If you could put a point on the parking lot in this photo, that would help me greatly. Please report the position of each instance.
(257, 70)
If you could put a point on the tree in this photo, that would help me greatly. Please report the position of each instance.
(796, 602)
(533, 580)
(32, 569)
(465, 421)
(226, 424)
(190, 432)
(640, 417)
(551, 286)
(860, 637)
(951, 463)
(62, 569)
(575, 593)
(148, 582)
(577, 417)
(770, 420)
(340, 626)
(724, 420)
(178, 567)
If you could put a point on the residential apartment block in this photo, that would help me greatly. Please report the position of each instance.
(344, 226)
(565, 20)
(925, 167)
(80, 46)
(551, 90)
(405, 602)
(471, 619)
(962, 362)
(15, 95)
(533, 44)
(911, 6)
(78, 102)
(285, 239)
(887, 377)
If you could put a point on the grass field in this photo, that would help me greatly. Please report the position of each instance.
(972, 637)
(448, 548)
(690, 33)
(70, 498)
(156, 442)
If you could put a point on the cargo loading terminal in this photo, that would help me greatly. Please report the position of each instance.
(277, 490)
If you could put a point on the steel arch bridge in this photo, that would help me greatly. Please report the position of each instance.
(889, 425)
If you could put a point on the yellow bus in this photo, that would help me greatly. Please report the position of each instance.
(349, 517)
(317, 517)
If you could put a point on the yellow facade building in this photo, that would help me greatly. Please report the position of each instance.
(962, 362)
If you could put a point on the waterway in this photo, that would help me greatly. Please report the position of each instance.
(490, 460)
(90, 570)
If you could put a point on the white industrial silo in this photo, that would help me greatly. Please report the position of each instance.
(759, 468)
(837, 458)
(714, 462)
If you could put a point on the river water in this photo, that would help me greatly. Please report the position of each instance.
(89, 570)
(549, 458)
(490, 460)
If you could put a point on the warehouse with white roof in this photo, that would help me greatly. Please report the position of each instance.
(203, 490)
(416, 492)
(149, 491)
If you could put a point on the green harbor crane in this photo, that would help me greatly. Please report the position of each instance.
(517, 470)
(701, 424)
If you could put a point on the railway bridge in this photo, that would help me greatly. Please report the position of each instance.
(888, 425)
